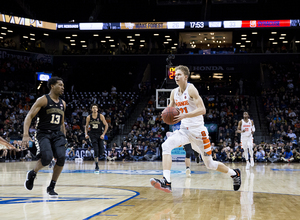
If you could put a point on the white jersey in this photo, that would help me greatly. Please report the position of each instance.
(186, 104)
(247, 126)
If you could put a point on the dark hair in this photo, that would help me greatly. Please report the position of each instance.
(94, 104)
(52, 81)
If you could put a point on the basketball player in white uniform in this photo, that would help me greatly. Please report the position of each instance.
(192, 130)
(246, 128)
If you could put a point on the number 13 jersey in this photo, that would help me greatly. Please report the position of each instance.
(186, 104)
(49, 117)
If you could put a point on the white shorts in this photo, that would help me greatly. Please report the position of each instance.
(247, 142)
(198, 137)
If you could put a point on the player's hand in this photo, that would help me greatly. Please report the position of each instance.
(243, 130)
(66, 143)
(87, 137)
(102, 136)
(178, 118)
(25, 141)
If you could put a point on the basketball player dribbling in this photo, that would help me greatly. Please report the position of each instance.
(192, 130)
(246, 129)
(96, 121)
(50, 137)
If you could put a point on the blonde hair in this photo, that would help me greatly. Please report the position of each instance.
(184, 69)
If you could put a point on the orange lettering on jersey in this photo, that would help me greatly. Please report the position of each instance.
(182, 103)
(246, 125)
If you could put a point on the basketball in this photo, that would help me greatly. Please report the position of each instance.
(168, 115)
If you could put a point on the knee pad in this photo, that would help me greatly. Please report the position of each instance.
(188, 154)
(210, 163)
(60, 161)
(188, 150)
(46, 158)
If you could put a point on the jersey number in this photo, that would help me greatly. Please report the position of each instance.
(55, 119)
(95, 126)
(183, 110)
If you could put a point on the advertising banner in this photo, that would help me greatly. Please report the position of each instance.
(143, 25)
(266, 23)
(27, 22)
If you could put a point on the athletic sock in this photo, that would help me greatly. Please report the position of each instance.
(52, 184)
(231, 172)
(167, 174)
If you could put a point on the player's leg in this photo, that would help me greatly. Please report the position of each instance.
(101, 147)
(94, 140)
(44, 153)
(59, 152)
(203, 145)
(178, 139)
(245, 145)
(188, 153)
(251, 153)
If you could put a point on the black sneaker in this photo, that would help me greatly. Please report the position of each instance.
(96, 170)
(51, 192)
(29, 179)
(161, 184)
(237, 181)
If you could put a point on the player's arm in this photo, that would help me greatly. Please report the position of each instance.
(63, 127)
(200, 110)
(87, 126)
(239, 128)
(172, 101)
(253, 127)
(105, 125)
(39, 103)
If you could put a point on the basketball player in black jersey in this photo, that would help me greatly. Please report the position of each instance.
(50, 135)
(96, 121)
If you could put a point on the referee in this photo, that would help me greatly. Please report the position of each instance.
(96, 121)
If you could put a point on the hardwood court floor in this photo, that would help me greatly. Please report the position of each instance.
(122, 191)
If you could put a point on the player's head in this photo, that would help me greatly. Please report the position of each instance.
(56, 85)
(94, 108)
(182, 74)
(246, 115)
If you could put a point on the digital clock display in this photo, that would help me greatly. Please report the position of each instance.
(170, 74)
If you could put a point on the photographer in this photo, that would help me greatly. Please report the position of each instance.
(137, 154)
(287, 155)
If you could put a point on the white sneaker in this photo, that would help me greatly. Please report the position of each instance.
(247, 166)
(252, 162)
(188, 172)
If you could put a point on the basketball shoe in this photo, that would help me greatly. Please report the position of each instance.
(28, 184)
(252, 162)
(188, 172)
(51, 192)
(161, 184)
(237, 181)
(247, 165)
